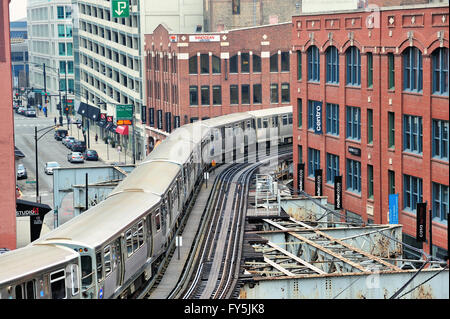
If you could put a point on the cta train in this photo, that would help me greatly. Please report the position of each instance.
(111, 249)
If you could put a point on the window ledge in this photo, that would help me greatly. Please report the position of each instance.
(440, 161)
(416, 155)
(416, 93)
(440, 96)
(349, 192)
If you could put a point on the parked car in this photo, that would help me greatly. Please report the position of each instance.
(30, 112)
(21, 110)
(21, 171)
(75, 157)
(50, 166)
(78, 146)
(60, 134)
(66, 140)
(91, 155)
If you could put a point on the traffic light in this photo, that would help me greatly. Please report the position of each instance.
(46, 101)
(17, 94)
(66, 110)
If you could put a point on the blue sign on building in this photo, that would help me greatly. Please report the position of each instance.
(393, 208)
(318, 118)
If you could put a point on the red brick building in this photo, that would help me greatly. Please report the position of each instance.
(203, 75)
(370, 96)
(8, 180)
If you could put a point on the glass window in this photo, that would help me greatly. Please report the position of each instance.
(70, 67)
(312, 107)
(58, 284)
(215, 64)
(236, 6)
(107, 259)
(353, 176)
(62, 48)
(141, 233)
(60, 12)
(354, 123)
(299, 65)
(391, 177)
(68, 31)
(313, 161)
(412, 192)
(257, 94)
(69, 49)
(129, 236)
(274, 62)
(391, 71)
(62, 67)
(217, 95)
(313, 64)
(245, 62)
(285, 62)
(192, 65)
(332, 57)
(300, 112)
(412, 70)
(61, 31)
(440, 71)
(332, 119)
(440, 202)
(391, 120)
(353, 66)
(285, 93)
(234, 64)
(370, 181)
(369, 69)
(193, 95)
(369, 126)
(245, 94)
(440, 139)
(256, 63)
(234, 94)
(205, 95)
(274, 93)
(332, 167)
(412, 134)
(204, 63)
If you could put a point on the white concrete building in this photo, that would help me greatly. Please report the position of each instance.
(109, 55)
(50, 43)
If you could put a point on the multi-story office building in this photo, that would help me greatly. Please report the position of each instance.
(7, 160)
(194, 76)
(108, 63)
(50, 46)
(372, 94)
(19, 53)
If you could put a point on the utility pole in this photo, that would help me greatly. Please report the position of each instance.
(36, 158)
(134, 140)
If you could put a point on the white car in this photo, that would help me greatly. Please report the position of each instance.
(49, 166)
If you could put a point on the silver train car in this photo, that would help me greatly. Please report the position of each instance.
(110, 250)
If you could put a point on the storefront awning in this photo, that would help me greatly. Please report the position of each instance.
(122, 129)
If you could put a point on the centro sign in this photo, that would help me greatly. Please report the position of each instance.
(317, 117)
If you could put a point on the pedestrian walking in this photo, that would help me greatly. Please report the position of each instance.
(96, 138)
(45, 111)
(55, 120)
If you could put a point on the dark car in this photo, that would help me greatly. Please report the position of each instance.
(91, 155)
(77, 146)
(60, 134)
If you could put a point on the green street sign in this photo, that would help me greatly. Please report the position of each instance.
(124, 112)
(30, 182)
(120, 8)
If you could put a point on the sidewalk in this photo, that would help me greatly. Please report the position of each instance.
(106, 152)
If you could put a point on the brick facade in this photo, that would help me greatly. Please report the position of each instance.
(8, 180)
(375, 34)
(168, 77)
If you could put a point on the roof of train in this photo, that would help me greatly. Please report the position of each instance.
(225, 119)
(272, 111)
(154, 177)
(174, 150)
(31, 259)
(105, 220)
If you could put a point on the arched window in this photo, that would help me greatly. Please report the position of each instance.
(215, 61)
(256, 63)
(440, 71)
(234, 64)
(412, 70)
(332, 57)
(353, 66)
(313, 64)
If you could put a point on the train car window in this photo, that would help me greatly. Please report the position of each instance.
(290, 118)
(259, 123)
(265, 123)
(129, 243)
(135, 238)
(140, 233)
(275, 121)
(58, 284)
(249, 124)
(30, 290)
(74, 279)
(86, 270)
(158, 221)
(19, 293)
(116, 253)
(98, 258)
(285, 120)
(107, 259)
